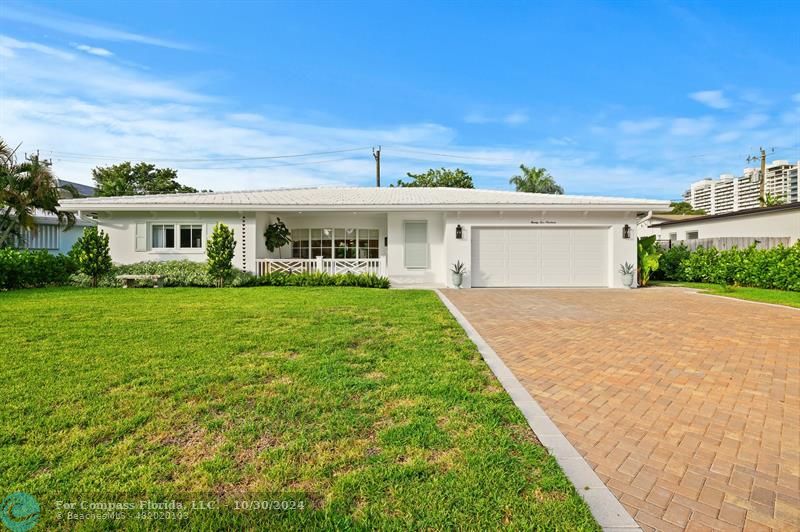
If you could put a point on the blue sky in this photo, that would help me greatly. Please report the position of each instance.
(615, 98)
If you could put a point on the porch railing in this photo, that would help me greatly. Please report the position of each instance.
(319, 264)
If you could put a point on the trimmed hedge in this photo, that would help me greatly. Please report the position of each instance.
(188, 273)
(363, 280)
(23, 268)
(777, 268)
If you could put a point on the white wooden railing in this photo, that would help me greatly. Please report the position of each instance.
(319, 264)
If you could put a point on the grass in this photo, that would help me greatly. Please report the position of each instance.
(370, 408)
(764, 295)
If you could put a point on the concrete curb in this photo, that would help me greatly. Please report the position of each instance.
(605, 507)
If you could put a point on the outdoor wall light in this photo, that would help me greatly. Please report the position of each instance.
(385, 241)
(458, 232)
(626, 231)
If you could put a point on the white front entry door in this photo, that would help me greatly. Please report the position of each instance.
(535, 256)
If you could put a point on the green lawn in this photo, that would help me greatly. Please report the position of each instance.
(369, 407)
(779, 297)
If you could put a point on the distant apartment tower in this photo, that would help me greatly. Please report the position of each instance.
(730, 193)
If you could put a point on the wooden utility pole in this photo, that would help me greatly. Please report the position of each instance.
(762, 196)
(377, 155)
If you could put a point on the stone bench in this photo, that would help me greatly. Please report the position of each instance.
(128, 280)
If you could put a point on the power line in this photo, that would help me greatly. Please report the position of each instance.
(451, 155)
(78, 156)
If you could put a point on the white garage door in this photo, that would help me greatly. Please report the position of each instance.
(528, 256)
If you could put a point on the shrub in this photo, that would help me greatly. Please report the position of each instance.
(92, 255)
(363, 280)
(670, 262)
(22, 268)
(778, 267)
(219, 249)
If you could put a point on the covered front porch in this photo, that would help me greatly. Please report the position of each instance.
(327, 242)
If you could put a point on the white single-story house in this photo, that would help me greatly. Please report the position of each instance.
(411, 235)
(778, 222)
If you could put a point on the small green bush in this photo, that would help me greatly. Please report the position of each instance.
(22, 268)
(777, 267)
(92, 254)
(670, 262)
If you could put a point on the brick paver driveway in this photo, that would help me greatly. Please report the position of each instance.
(687, 406)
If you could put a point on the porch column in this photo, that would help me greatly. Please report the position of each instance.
(382, 266)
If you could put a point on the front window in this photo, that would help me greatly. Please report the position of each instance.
(191, 236)
(673, 237)
(339, 242)
(163, 236)
(416, 244)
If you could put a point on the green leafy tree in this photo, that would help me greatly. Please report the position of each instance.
(92, 254)
(438, 177)
(771, 201)
(125, 179)
(683, 207)
(648, 254)
(277, 235)
(219, 250)
(26, 187)
(537, 180)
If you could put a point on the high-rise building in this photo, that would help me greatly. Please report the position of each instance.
(730, 193)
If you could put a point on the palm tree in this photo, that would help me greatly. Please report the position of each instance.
(771, 201)
(25, 188)
(536, 180)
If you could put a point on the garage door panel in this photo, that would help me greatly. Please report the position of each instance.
(525, 256)
(589, 257)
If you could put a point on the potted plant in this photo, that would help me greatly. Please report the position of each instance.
(458, 270)
(627, 270)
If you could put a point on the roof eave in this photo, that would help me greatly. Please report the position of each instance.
(138, 207)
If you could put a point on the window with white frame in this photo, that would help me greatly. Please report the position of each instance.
(340, 243)
(415, 235)
(163, 236)
(692, 235)
(189, 236)
(673, 237)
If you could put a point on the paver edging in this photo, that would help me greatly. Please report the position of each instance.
(606, 509)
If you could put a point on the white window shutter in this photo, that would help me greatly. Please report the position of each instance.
(416, 244)
(141, 237)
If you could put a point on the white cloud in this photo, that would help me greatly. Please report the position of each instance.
(713, 99)
(691, 126)
(93, 50)
(515, 118)
(633, 127)
(8, 45)
(84, 28)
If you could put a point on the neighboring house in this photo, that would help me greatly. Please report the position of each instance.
(411, 235)
(49, 235)
(779, 222)
(651, 224)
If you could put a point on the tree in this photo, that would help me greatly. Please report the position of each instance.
(536, 180)
(771, 201)
(25, 188)
(91, 254)
(125, 179)
(219, 250)
(441, 177)
(683, 207)
(277, 235)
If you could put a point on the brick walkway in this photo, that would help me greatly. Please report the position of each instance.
(686, 406)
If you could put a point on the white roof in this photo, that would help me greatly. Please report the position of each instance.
(360, 198)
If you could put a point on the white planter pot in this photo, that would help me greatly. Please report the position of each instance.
(458, 278)
(627, 279)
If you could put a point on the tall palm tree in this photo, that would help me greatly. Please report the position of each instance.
(536, 180)
(25, 188)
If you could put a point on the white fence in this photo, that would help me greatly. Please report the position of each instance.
(721, 243)
(319, 264)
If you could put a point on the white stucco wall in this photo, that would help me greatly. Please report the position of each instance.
(121, 228)
(770, 224)
(620, 249)
(437, 267)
